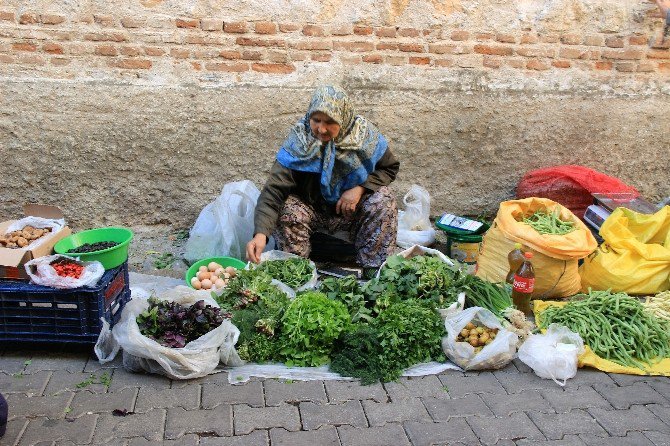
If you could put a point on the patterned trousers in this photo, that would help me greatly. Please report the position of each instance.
(373, 227)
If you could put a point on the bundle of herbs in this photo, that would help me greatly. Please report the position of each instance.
(348, 291)
(174, 325)
(422, 277)
(257, 308)
(294, 272)
(404, 334)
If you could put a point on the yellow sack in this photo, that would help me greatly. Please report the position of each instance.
(635, 256)
(590, 359)
(554, 256)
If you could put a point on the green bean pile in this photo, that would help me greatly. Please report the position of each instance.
(294, 272)
(615, 326)
(549, 223)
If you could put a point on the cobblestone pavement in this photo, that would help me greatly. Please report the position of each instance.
(68, 398)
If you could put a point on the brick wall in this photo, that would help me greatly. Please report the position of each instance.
(72, 46)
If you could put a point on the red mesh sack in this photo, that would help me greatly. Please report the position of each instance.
(570, 185)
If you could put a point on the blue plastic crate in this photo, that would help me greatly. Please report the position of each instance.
(37, 313)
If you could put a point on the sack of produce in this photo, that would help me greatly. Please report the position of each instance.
(63, 272)
(414, 227)
(635, 256)
(553, 355)
(29, 232)
(476, 340)
(569, 185)
(555, 236)
(225, 226)
(294, 271)
(181, 334)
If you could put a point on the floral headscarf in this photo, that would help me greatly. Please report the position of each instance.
(344, 162)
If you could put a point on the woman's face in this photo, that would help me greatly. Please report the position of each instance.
(324, 128)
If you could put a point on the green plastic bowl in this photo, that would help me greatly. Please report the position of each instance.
(223, 261)
(110, 257)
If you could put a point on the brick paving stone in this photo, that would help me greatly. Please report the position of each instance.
(470, 405)
(122, 379)
(314, 416)
(459, 384)
(632, 438)
(31, 385)
(280, 391)
(449, 432)
(637, 418)
(186, 440)
(63, 361)
(250, 393)
(340, 391)
(588, 377)
(658, 438)
(14, 430)
(568, 440)
(326, 436)
(555, 426)
(217, 421)
(584, 398)
(513, 427)
(624, 397)
(93, 365)
(416, 387)
(662, 412)
(149, 425)
(662, 387)
(391, 434)
(102, 403)
(520, 366)
(186, 397)
(79, 430)
(13, 362)
(38, 406)
(627, 380)
(213, 378)
(518, 382)
(530, 400)
(256, 438)
(247, 419)
(379, 414)
(72, 382)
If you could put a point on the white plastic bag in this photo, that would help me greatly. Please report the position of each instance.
(281, 255)
(553, 355)
(414, 226)
(225, 226)
(42, 273)
(493, 356)
(140, 353)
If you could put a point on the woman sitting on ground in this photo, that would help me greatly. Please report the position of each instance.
(332, 173)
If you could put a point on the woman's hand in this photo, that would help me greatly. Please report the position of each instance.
(663, 6)
(347, 203)
(255, 247)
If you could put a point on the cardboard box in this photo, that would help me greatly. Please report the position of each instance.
(12, 260)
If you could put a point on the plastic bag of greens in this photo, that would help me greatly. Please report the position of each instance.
(141, 353)
(494, 355)
(553, 355)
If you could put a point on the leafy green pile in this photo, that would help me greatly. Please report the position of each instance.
(348, 291)
(494, 297)
(174, 325)
(294, 272)
(310, 326)
(257, 306)
(404, 334)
